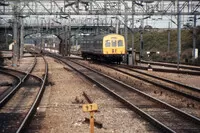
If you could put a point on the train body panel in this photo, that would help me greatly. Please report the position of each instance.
(110, 47)
(92, 44)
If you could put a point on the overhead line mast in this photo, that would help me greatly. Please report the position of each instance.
(96, 7)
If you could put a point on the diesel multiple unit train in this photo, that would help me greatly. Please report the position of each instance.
(108, 47)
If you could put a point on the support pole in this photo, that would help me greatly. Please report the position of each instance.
(194, 39)
(179, 35)
(90, 3)
(16, 42)
(69, 42)
(141, 38)
(133, 47)
(21, 38)
(168, 49)
(97, 29)
(92, 122)
(41, 40)
(126, 33)
(6, 36)
(15, 36)
(117, 25)
(65, 41)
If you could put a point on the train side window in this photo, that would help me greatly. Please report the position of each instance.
(114, 43)
(120, 43)
(107, 43)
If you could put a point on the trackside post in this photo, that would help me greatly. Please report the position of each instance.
(90, 108)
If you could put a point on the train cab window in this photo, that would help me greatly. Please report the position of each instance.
(120, 43)
(114, 43)
(107, 43)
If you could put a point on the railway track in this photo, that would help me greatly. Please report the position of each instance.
(185, 90)
(168, 67)
(177, 87)
(9, 83)
(184, 69)
(21, 102)
(171, 85)
(189, 67)
(20, 76)
(174, 93)
(162, 115)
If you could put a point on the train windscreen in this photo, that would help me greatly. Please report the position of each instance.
(120, 43)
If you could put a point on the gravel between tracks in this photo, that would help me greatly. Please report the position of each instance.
(191, 80)
(5, 79)
(61, 107)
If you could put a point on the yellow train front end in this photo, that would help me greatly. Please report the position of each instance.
(113, 44)
(114, 47)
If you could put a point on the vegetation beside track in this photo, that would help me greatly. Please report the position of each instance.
(158, 41)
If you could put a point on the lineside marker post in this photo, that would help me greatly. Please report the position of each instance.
(90, 108)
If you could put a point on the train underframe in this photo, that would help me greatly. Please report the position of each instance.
(102, 57)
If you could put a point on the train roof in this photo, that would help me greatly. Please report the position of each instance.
(96, 37)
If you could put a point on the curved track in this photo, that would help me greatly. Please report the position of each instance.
(21, 76)
(159, 113)
(16, 112)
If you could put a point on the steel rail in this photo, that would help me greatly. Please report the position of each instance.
(144, 94)
(12, 92)
(30, 71)
(169, 70)
(26, 73)
(162, 86)
(172, 65)
(196, 89)
(164, 79)
(148, 117)
(7, 95)
(36, 101)
(197, 120)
